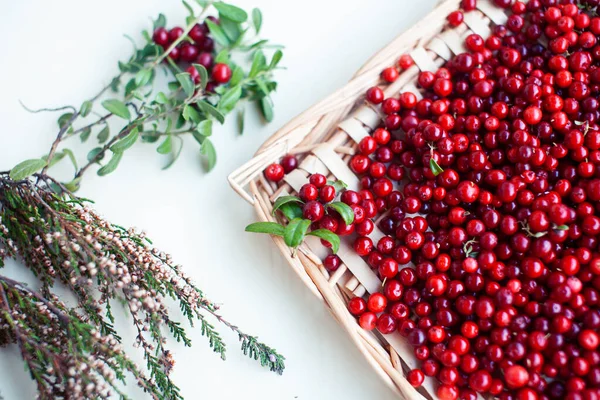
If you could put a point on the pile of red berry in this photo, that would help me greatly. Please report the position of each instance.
(488, 193)
(197, 48)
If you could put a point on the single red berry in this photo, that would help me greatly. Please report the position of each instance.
(313, 210)
(455, 18)
(274, 172)
(327, 193)
(516, 376)
(189, 52)
(415, 377)
(375, 95)
(357, 306)
(308, 192)
(161, 37)
(318, 180)
(332, 262)
(289, 163)
(175, 33)
(390, 74)
(221, 73)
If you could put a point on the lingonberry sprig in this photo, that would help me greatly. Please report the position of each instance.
(206, 85)
(313, 212)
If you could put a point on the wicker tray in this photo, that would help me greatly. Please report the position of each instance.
(324, 137)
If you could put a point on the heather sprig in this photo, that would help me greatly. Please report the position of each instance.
(61, 239)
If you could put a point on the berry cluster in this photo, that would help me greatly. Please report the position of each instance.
(491, 253)
(197, 48)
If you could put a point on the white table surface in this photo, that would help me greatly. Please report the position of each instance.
(62, 51)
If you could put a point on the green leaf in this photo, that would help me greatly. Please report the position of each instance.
(58, 156)
(175, 153)
(257, 19)
(173, 86)
(240, 120)
(186, 82)
(166, 146)
(222, 57)
(161, 98)
(262, 86)
(160, 22)
(539, 234)
(189, 8)
(272, 228)
(111, 165)
(143, 77)
(210, 154)
(266, 108)
(209, 109)
(103, 134)
(435, 167)
(291, 210)
(85, 134)
(203, 75)
(338, 185)
(285, 200)
(259, 63)
(231, 28)
(232, 12)
(344, 210)
(204, 128)
(64, 119)
(562, 227)
(72, 186)
(117, 107)
(229, 100)
(126, 142)
(217, 33)
(191, 114)
(86, 108)
(69, 153)
(295, 231)
(276, 58)
(329, 236)
(93, 153)
(26, 168)
(236, 76)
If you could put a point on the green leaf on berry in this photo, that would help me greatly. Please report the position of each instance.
(232, 12)
(338, 185)
(329, 236)
(291, 210)
(203, 75)
(271, 228)
(344, 210)
(186, 82)
(285, 200)
(435, 167)
(117, 107)
(562, 227)
(295, 231)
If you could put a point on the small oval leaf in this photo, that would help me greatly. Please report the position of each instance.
(186, 82)
(126, 142)
(285, 200)
(26, 168)
(166, 146)
(329, 236)
(272, 228)
(117, 107)
(232, 12)
(435, 167)
(295, 231)
(344, 210)
(208, 151)
(111, 165)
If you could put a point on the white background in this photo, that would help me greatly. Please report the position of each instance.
(62, 51)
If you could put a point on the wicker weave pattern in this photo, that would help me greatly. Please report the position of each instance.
(324, 137)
